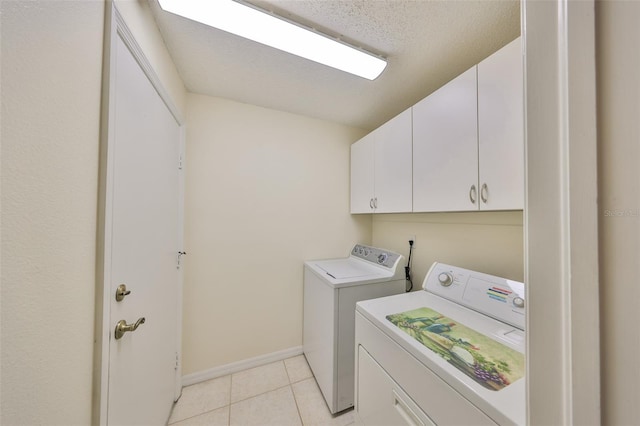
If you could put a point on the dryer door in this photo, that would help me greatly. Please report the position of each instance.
(380, 400)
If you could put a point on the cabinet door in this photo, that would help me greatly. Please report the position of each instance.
(501, 129)
(362, 177)
(393, 193)
(445, 147)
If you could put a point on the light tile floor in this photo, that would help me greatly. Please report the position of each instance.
(281, 393)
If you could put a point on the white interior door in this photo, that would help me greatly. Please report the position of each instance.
(145, 240)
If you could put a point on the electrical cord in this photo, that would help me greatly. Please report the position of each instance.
(407, 269)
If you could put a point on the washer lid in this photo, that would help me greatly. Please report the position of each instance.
(343, 269)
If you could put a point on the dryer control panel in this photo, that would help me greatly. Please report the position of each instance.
(496, 297)
(381, 257)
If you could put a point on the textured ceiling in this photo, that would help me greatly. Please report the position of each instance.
(426, 42)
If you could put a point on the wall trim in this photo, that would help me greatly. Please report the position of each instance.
(127, 37)
(234, 367)
(561, 208)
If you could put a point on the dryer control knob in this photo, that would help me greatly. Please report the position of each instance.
(518, 302)
(445, 279)
(382, 257)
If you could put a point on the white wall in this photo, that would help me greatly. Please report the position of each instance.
(51, 70)
(618, 87)
(490, 242)
(265, 191)
(51, 84)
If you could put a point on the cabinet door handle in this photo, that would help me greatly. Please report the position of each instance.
(473, 194)
(371, 202)
(375, 202)
(484, 193)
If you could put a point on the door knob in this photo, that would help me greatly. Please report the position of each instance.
(122, 327)
(121, 292)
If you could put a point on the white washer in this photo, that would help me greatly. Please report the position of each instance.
(451, 354)
(331, 289)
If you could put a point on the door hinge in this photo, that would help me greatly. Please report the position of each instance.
(176, 368)
(180, 254)
(180, 161)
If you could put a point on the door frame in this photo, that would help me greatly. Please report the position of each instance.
(561, 213)
(115, 26)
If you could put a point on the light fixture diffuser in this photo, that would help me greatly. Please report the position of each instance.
(264, 28)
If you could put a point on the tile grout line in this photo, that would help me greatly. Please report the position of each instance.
(228, 406)
(260, 394)
(295, 400)
(197, 415)
(210, 410)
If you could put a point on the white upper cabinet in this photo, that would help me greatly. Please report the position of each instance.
(393, 188)
(459, 149)
(362, 175)
(445, 147)
(381, 168)
(468, 139)
(501, 129)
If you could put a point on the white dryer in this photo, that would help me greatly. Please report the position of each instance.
(451, 354)
(331, 289)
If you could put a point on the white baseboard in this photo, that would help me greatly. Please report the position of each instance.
(234, 367)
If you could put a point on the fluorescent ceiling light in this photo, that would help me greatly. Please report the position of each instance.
(251, 23)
